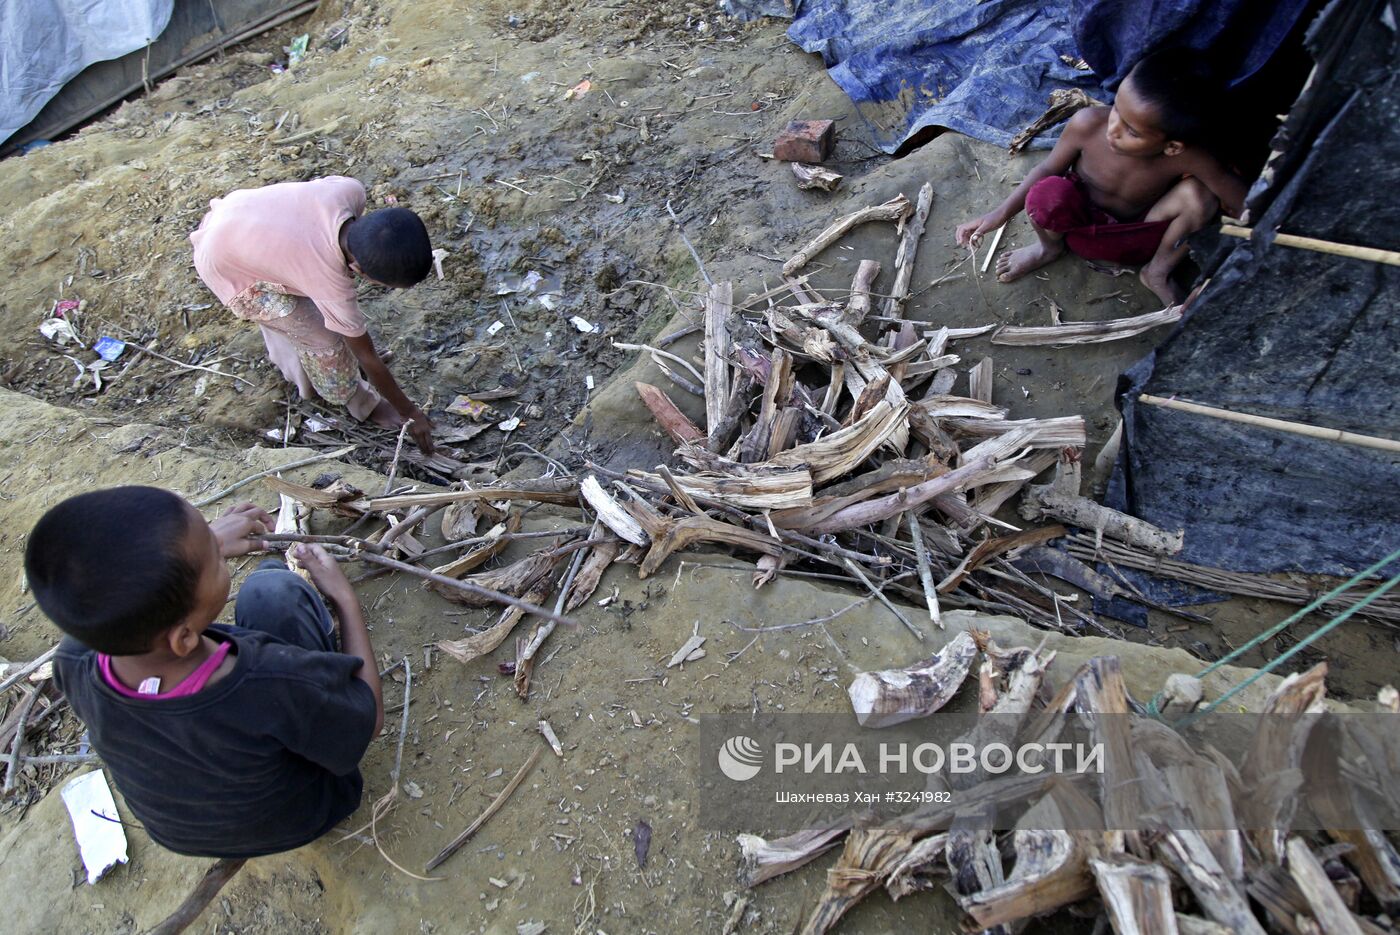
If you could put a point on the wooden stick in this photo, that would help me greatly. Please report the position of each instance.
(1137, 895)
(737, 403)
(467, 586)
(611, 514)
(1084, 547)
(656, 351)
(1088, 332)
(859, 304)
(316, 459)
(892, 210)
(545, 629)
(209, 885)
(185, 366)
(559, 490)
(1295, 428)
(668, 415)
(1323, 899)
(992, 247)
(348, 542)
(886, 698)
(979, 381)
(26, 668)
(879, 595)
(485, 816)
(925, 569)
(874, 510)
(59, 758)
(399, 529)
(1370, 254)
(680, 228)
(904, 256)
(394, 463)
(1045, 500)
(325, 128)
(719, 309)
(12, 764)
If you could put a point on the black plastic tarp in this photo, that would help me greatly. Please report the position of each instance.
(1291, 334)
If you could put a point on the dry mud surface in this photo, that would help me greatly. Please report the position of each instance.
(562, 844)
(460, 112)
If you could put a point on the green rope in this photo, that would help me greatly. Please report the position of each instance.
(1153, 705)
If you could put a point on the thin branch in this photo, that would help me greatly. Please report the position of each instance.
(485, 816)
(879, 595)
(815, 621)
(186, 366)
(316, 459)
(467, 586)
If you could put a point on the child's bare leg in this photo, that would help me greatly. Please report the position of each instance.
(1014, 264)
(1189, 206)
(386, 415)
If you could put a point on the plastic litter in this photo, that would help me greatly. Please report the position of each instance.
(58, 331)
(466, 406)
(297, 50)
(108, 348)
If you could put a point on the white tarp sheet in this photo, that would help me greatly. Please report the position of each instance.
(44, 43)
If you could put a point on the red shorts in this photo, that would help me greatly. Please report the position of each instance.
(1061, 204)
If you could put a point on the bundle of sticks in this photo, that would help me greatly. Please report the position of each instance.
(837, 444)
(835, 436)
(1172, 836)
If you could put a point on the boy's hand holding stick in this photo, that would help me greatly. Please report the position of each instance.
(237, 530)
(970, 233)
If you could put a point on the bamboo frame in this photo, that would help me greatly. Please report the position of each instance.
(1295, 428)
(1350, 251)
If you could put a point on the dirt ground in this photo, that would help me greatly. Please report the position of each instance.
(461, 113)
(562, 844)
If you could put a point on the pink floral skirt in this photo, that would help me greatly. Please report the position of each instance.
(308, 353)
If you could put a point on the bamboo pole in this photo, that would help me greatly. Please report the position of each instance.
(1351, 251)
(1296, 428)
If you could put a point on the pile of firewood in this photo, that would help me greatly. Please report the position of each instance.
(1164, 840)
(834, 436)
(834, 446)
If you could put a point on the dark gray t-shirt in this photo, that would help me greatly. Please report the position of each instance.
(262, 761)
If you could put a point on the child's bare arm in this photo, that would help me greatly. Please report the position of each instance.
(354, 635)
(1061, 158)
(379, 376)
(1223, 184)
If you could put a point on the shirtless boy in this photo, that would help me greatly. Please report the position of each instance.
(1125, 184)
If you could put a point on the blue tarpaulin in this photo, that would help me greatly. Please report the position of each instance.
(986, 67)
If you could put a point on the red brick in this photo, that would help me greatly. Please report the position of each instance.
(805, 141)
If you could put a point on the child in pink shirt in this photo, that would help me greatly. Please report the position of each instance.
(285, 256)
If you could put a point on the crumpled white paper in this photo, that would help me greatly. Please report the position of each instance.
(101, 841)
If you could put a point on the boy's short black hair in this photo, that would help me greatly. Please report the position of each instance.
(1184, 87)
(111, 568)
(391, 246)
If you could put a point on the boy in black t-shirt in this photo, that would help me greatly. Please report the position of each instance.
(226, 741)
